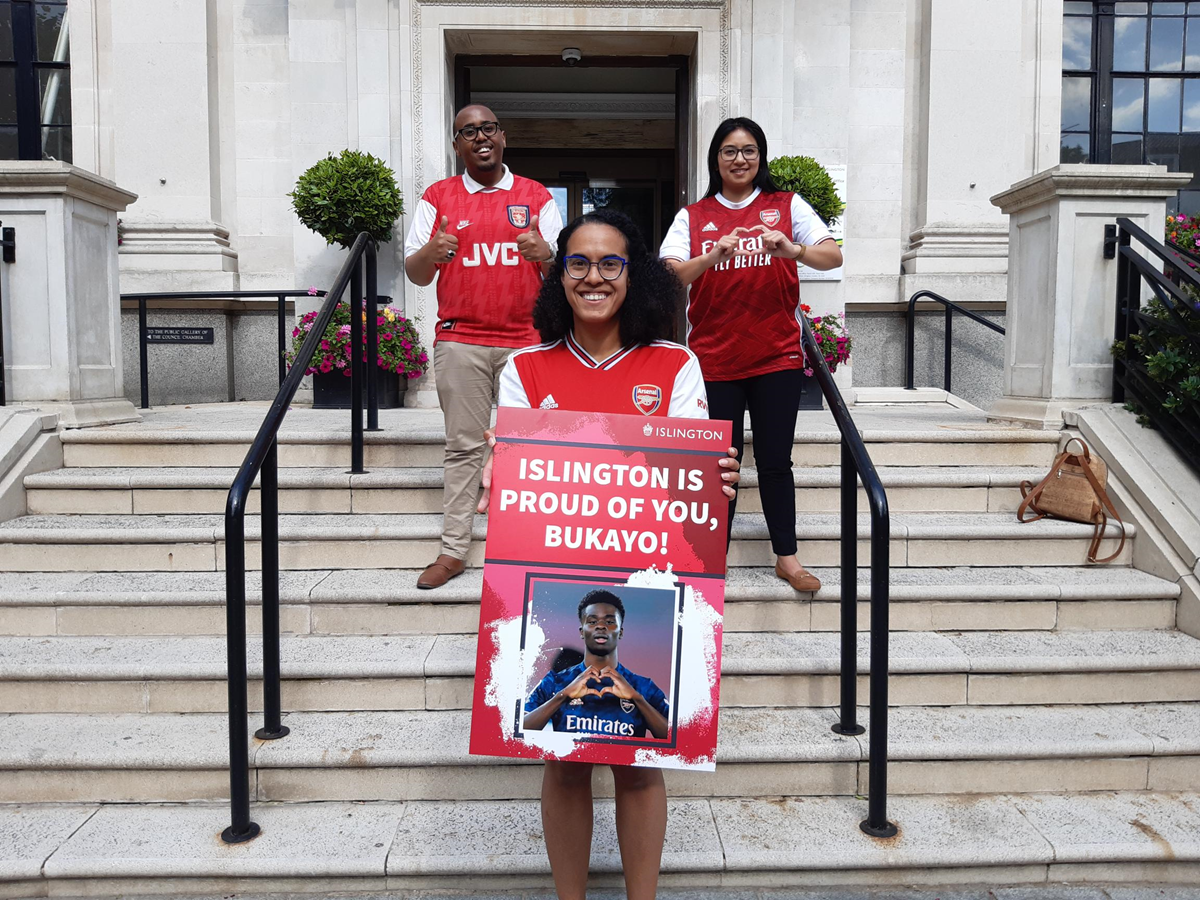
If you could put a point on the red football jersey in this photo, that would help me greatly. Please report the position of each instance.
(658, 379)
(486, 293)
(743, 314)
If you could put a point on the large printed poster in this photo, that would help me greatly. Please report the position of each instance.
(603, 590)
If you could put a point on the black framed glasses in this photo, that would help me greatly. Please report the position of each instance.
(729, 154)
(610, 268)
(470, 132)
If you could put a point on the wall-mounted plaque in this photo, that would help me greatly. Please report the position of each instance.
(157, 335)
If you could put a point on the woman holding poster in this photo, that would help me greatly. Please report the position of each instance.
(603, 313)
(738, 249)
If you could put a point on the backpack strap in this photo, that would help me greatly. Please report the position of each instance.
(1102, 524)
(1030, 495)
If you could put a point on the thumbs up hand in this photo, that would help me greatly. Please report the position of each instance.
(443, 246)
(531, 246)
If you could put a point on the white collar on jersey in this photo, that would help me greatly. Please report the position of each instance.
(729, 204)
(474, 187)
(587, 359)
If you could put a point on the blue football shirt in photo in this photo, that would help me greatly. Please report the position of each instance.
(598, 715)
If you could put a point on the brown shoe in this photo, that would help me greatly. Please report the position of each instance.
(804, 581)
(440, 571)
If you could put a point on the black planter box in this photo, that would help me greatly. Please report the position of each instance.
(331, 390)
(810, 392)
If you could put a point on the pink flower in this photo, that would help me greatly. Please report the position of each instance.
(380, 320)
(324, 345)
(325, 366)
(386, 336)
(817, 320)
(405, 343)
(312, 291)
(295, 332)
(808, 372)
(422, 358)
(347, 349)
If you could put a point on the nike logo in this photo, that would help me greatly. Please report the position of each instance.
(463, 223)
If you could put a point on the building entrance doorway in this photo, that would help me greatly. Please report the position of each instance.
(607, 131)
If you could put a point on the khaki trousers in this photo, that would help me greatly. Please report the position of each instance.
(468, 379)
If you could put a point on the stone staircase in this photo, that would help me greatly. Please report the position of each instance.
(1045, 722)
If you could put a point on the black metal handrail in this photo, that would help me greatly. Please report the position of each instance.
(143, 330)
(911, 328)
(856, 464)
(8, 253)
(263, 457)
(1131, 377)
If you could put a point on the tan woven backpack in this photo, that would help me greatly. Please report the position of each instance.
(1073, 489)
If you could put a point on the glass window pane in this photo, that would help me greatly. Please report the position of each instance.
(1191, 105)
(1163, 109)
(1128, 94)
(1168, 9)
(1074, 148)
(1166, 44)
(6, 40)
(50, 20)
(1163, 150)
(1189, 202)
(1076, 104)
(8, 95)
(1129, 44)
(8, 142)
(1077, 43)
(1191, 59)
(1189, 157)
(1127, 149)
(1081, 6)
(54, 94)
(1132, 8)
(56, 142)
(1194, 8)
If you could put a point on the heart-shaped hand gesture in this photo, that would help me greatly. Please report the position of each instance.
(775, 243)
(618, 687)
(730, 246)
(581, 686)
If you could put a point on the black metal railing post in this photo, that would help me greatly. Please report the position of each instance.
(876, 824)
(910, 331)
(262, 459)
(848, 722)
(856, 466)
(143, 354)
(273, 727)
(241, 828)
(281, 334)
(356, 369)
(372, 371)
(1121, 326)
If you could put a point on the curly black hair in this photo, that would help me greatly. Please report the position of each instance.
(601, 596)
(653, 296)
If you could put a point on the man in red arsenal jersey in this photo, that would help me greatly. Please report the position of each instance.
(488, 237)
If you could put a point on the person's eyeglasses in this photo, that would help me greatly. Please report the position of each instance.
(468, 132)
(729, 154)
(610, 268)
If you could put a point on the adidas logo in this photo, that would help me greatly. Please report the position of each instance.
(548, 403)
(709, 227)
(463, 223)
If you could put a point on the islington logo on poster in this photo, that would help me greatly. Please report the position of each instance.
(603, 590)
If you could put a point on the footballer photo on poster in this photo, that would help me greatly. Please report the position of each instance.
(603, 590)
(605, 660)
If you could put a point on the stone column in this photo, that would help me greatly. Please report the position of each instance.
(61, 304)
(1061, 289)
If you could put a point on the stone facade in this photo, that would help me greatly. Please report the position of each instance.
(932, 105)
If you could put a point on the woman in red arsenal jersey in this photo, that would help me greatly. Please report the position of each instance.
(604, 312)
(738, 248)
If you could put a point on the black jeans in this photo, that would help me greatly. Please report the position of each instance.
(772, 400)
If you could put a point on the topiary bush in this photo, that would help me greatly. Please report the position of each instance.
(805, 176)
(342, 195)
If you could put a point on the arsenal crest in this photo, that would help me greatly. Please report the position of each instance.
(647, 398)
(519, 216)
(769, 217)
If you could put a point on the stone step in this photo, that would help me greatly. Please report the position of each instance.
(422, 755)
(397, 672)
(110, 543)
(142, 446)
(126, 490)
(487, 845)
(387, 601)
